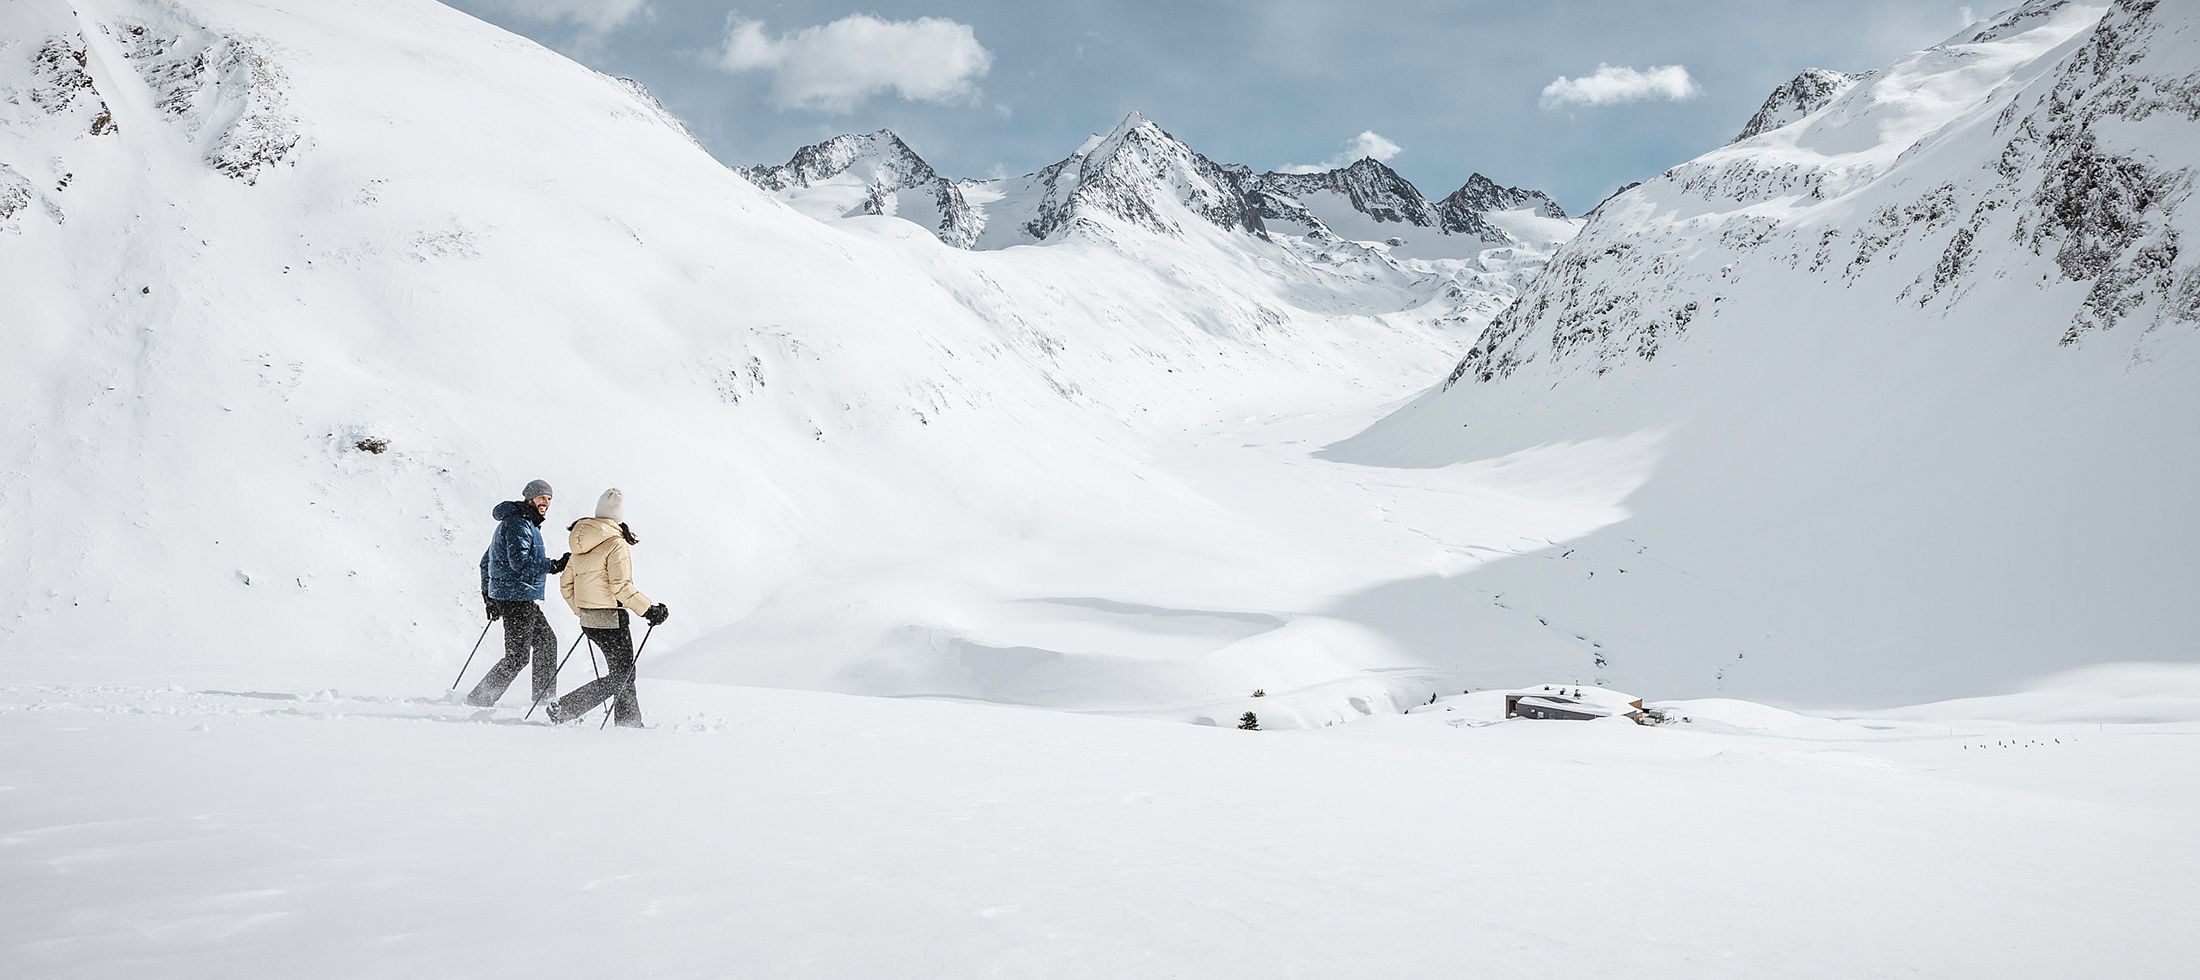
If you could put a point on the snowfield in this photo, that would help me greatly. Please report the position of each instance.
(267, 828)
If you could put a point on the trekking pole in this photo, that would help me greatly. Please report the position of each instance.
(554, 674)
(470, 655)
(631, 678)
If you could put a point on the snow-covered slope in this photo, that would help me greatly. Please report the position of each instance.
(870, 173)
(280, 339)
(1807, 92)
(1916, 376)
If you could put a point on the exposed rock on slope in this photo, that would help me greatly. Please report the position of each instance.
(2080, 158)
(1367, 186)
(1919, 371)
(1797, 97)
(1466, 211)
(1136, 174)
(871, 174)
(222, 89)
(1369, 202)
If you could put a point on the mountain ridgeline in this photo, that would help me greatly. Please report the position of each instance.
(1124, 175)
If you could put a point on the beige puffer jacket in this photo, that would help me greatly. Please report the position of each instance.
(601, 572)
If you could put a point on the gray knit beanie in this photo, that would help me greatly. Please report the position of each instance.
(612, 505)
(535, 488)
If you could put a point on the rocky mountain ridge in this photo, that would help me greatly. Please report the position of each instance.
(881, 173)
(1807, 92)
(1125, 173)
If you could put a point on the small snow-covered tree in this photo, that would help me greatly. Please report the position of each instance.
(1249, 722)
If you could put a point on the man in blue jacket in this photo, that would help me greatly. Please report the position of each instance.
(511, 583)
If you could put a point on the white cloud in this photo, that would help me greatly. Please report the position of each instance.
(1966, 15)
(836, 67)
(1612, 85)
(1368, 144)
(595, 17)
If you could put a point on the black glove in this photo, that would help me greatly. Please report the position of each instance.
(559, 565)
(491, 605)
(657, 614)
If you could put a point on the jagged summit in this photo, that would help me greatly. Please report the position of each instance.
(1371, 186)
(1484, 195)
(1136, 174)
(1797, 97)
(882, 150)
(871, 173)
(1369, 202)
(1466, 211)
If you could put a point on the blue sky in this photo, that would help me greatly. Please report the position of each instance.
(1444, 89)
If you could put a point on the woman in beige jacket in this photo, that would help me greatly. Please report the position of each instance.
(598, 582)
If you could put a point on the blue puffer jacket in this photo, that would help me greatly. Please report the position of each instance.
(514, 565)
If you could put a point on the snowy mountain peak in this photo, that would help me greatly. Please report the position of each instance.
(1137, 174)
(870, 174)
(881, 154)
(1481, 195)
(1371, 188)
(1795, 98)
(2010, 23)
(1370, 203)
(1466, 212)
(1365, 186)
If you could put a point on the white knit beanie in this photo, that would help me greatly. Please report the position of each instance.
(612, 505)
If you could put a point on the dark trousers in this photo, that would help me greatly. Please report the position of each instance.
(526, 635)
(617, 644)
